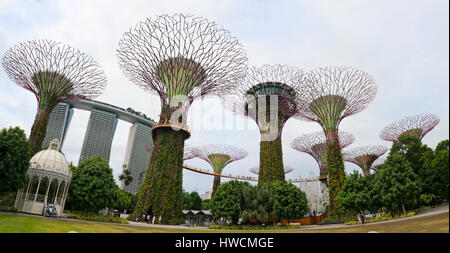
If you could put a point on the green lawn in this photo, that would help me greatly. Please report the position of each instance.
(10, 223)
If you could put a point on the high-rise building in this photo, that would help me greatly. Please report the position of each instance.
(58, 124)
(137, 155)
(99, 135)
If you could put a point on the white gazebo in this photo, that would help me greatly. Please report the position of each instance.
(48, 180)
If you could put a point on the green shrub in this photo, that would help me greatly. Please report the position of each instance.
(9, 209)
(353, 222)
(94, 217)
(176, 221)
(254, 227)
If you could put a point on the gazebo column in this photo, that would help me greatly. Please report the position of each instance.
(28, 188)
(56, 195)
(65, 195)
(37, 190)
(46, 192)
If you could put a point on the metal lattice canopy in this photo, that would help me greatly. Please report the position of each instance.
(281, 82)
(334, 93)
(287, 169)
(365, 156)
(189, 152)
(417, 125)
(378, 162)
(54, 72)
(315, 145)
(181, 55)
(220, 155)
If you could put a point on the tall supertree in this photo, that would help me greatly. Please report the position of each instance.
(332, 94)
(417, 125)
(53, 72)
(179, 58)
(365, 156)
(287, 170)
(270, 95)
(315, 145)
(219, 156)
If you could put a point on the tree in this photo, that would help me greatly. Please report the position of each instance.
(14, 159)
(257, 204)
(195, 201)
(412, 149)
(289, 202)
(121, 200)
(125, 177)
(356, 193)
(436, 167)
(92, 186)
(186, 197)
(397, 184)
(205, 204)
(226, 202)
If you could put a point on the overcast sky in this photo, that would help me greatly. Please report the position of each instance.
(402, 44)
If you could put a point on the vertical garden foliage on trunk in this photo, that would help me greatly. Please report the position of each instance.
(216, 184)
(336, 174)
(271, 161)
(162, 188)
(38, 130)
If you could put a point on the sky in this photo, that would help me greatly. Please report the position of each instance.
(403, 44)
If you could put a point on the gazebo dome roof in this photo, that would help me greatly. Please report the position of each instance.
(51, 160)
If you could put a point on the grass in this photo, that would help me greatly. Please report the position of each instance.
(11, 223)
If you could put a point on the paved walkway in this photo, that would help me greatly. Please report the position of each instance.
(437, 210)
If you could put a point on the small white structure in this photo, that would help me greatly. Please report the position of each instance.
(206, 195)
(48, 180)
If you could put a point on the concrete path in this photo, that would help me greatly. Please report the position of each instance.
(437, 210)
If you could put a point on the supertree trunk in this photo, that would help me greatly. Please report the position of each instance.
(38, 130)
(336, 172)
(216, 185)
(271, 161)
(162, 188)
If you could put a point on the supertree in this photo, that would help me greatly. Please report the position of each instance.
(219, 156)
(287, 170)
(365, 156)
(332, 94)
(270, 95)
(53, 72)
(315, 145)
(417, 125)
(179, 58)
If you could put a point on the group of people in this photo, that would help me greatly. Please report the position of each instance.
(360, 218)
(149, 218)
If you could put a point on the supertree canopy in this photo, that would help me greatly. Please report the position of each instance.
(332, 94)
(53, 72)
(287, 170)
(219, 156)
(189, 152)
(378, 162)
(179, 58)
(417, 125)
(365, 156)
(270, 95)
(315, 145)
